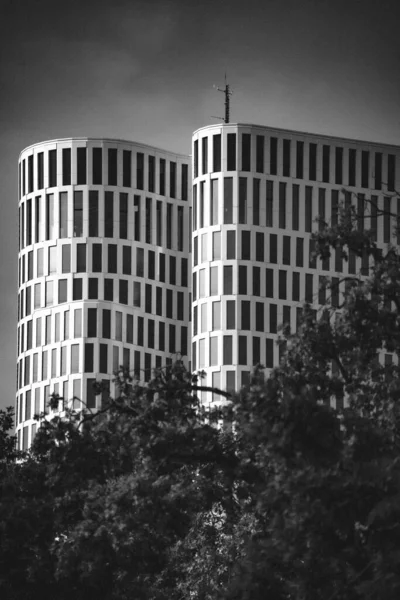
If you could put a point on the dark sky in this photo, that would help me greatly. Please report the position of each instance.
(144, 70)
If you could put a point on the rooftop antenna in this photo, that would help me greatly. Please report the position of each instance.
(228, 93)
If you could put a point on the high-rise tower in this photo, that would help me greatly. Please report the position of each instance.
(107, 275)
(257, 193)
(103, 267)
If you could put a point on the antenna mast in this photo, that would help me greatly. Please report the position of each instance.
(228, 93)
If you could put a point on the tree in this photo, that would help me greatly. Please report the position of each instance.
(100, 505)
(324, 489)
(297, 499)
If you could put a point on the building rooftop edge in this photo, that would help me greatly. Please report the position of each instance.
(299, 133)
(102, 139)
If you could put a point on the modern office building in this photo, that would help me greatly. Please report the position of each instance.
(257, 196)
(103, 268)
(107, 275)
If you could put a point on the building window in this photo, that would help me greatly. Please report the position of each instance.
(169, 226)
(216, 153)
(326, 163)
(123, 291)
(78, 214)
(352, 167)
(230, 244)
(172, 179)
(129, 329)
(246, 245)
(256, 202)
(321, 209)
(123, 216)
(126, 260)
(126, 168)
(286, 158)
(378, 171)
(162, 177)
(214, 202)
(260, 154)
(78, 323)
(136, 205)
(77, 289)
(296, 287)
(246, 151)
(216, 245)
(259, 246)
(228, 280)
(161, 267)
(40, 170)
(184, 182)
(312, 169)
(260, 316)
(112, 258)
(52, 168)
(137, 293)
(282, 285)
(65, 259)
(140, 171)
(50, 220)
(242, 283)
(273, 248)
(282, 205)
(228, 200)
(63, 206)
(195, 158)
(151, 173)
(97, 258)
(106, 324)
(97, 166)
(245, 310)
(308, 209)
(339, 165)
(66, 167)
(109, 214)
(201, 205)
(75, 358)
(299, 160)
(299, 252)
(81, 258)
(214, 281)
(184, 272)
(242, 358)
(227, 350)
(269, 203)
(148, 223)
(365, 169)
(93, 292)
(204, 155)
(49, 293)
(231, 152)
(37, 220)
(81, 166)
(273, 155)
(273, 318)
(180, 227)
(286, 250)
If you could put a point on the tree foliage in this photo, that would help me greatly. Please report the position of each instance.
(293, 498)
